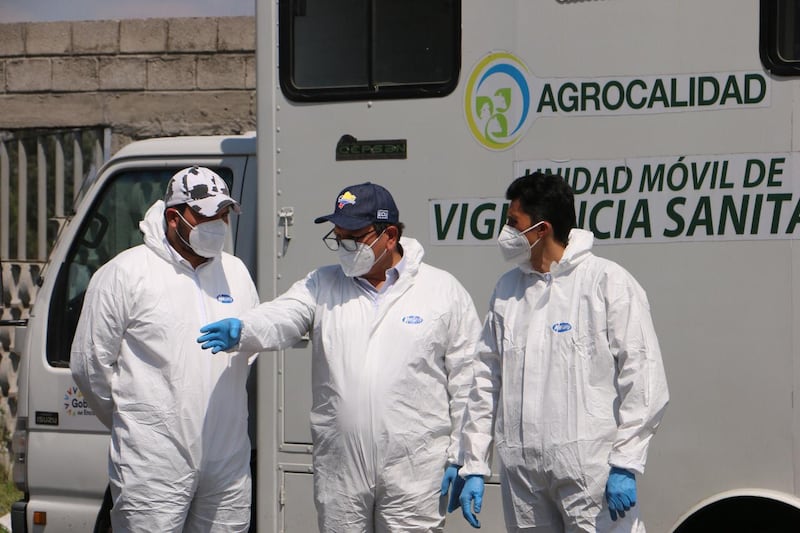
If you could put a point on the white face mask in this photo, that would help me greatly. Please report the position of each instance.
(359, 262)
(206, 239)
(514, 245)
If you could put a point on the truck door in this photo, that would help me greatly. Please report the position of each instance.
(67, 446)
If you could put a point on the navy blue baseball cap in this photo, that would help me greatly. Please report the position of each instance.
(358, 206)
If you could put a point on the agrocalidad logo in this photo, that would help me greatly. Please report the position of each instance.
(502, 98)
(497, 100)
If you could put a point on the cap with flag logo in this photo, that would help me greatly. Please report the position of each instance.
(361, 205)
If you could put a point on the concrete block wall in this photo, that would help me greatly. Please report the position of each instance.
(141, 77)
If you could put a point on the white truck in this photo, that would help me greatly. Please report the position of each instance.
(677, 124)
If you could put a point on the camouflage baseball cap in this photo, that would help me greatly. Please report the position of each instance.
(201, 189)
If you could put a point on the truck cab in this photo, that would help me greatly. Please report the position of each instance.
(60, 447)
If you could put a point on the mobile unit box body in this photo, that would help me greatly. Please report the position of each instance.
(673, 121)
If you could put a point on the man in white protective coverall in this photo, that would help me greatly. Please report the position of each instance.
(394, 340)
(570, 365)
(179, 458)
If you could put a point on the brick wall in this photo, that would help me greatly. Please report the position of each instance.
(143, 78)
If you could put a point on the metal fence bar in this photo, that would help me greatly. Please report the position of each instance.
(58, 148)
(98, 153)
(77, 165)
(41, 201)
(25, 220)
(5, 200)
(106, 145)
(22, 200)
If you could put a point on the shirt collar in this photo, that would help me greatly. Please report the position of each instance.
(392, 275)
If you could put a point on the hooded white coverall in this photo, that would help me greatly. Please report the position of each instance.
(178, 415)
(390, 383)
(571, 365)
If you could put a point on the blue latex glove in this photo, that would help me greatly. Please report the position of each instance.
(472, 499)
(620, 491)
(221, 335)
(451, 479)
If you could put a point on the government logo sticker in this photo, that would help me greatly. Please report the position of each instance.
(75, 404)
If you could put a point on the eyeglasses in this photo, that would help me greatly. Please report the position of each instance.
(350, 243)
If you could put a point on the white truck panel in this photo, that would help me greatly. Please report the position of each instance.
(724, 305)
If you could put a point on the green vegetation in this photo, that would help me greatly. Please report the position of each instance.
(8, 495)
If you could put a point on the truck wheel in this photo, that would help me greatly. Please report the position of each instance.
(743, 513)
(103, 522)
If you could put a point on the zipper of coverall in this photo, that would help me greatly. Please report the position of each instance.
(548, 280)
(381, 310)
(200, 294)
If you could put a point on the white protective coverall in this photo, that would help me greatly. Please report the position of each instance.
(390, 384)
(177, 414)
(571, 363)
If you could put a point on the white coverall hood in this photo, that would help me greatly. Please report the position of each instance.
(178, 415)
(153, 227)
(570, 362)
(390, 381)
(580, 247)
